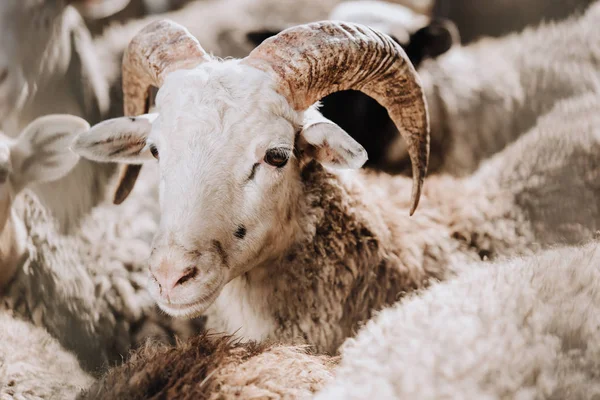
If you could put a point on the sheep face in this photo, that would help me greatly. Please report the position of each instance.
(230, 150)
(40, 154)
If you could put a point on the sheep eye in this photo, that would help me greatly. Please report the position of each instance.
(154, 151)
(277, 157)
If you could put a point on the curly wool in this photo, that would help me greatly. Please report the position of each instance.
(360, 251)
(483, 96)
(520, 329)
(88, 290)
(33, 365)
(215, 367)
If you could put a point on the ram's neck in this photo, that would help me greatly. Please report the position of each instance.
(12, 244)
(357, 250)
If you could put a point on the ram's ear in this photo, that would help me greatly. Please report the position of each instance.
(41, 153)
(117, 140)
(328, 144)
(98, 9)
(433, 40)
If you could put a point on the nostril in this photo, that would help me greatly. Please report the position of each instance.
(3, 75)
(189, 273)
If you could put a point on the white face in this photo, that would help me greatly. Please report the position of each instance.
(229, 150)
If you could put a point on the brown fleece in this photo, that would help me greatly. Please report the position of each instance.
(214, 367)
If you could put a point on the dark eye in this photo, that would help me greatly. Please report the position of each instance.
(277, 157)
(154, 151)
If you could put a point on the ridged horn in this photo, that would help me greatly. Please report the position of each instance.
(309, 62)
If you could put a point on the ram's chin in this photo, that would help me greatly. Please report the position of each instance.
(189, 310)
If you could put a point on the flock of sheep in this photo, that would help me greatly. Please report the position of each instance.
(252, 256)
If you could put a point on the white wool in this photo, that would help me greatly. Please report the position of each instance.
(33, 365)
(520, 329)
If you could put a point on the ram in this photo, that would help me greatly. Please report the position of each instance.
(520, 328)
(260, 231)
(482, 96)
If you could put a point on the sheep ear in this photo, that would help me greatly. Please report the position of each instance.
(94, 9)
(433, 40)
(41, 153)
(117, 140)
(327, 143)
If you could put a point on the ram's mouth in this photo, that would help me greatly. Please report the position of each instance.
(192, 309)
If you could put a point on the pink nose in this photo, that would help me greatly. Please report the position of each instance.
(168, 278)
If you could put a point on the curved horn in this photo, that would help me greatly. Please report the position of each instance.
(311, 61)
(158, 49)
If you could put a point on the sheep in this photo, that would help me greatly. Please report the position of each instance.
(527, 322)
(107, 12)
(259, 230)
(49, 66)
(39, 155)
(483, 96)
(89, 289)
(500, 17)
(33, 365)
(216, 366)
(85, 289)
(523, 328)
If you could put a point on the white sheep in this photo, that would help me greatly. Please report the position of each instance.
(525, 328)
(483, 96)
(39, 154)
(477, 19)
(33, 365)
(48, 65)
(87, 290)
(261, 232)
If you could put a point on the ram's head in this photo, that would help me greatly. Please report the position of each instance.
(231, 139)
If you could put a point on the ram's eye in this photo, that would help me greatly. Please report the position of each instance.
(277, 157)
(154, 151)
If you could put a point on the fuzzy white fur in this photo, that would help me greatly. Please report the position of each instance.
(520, 329)
(484, 96)
(33, 365)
